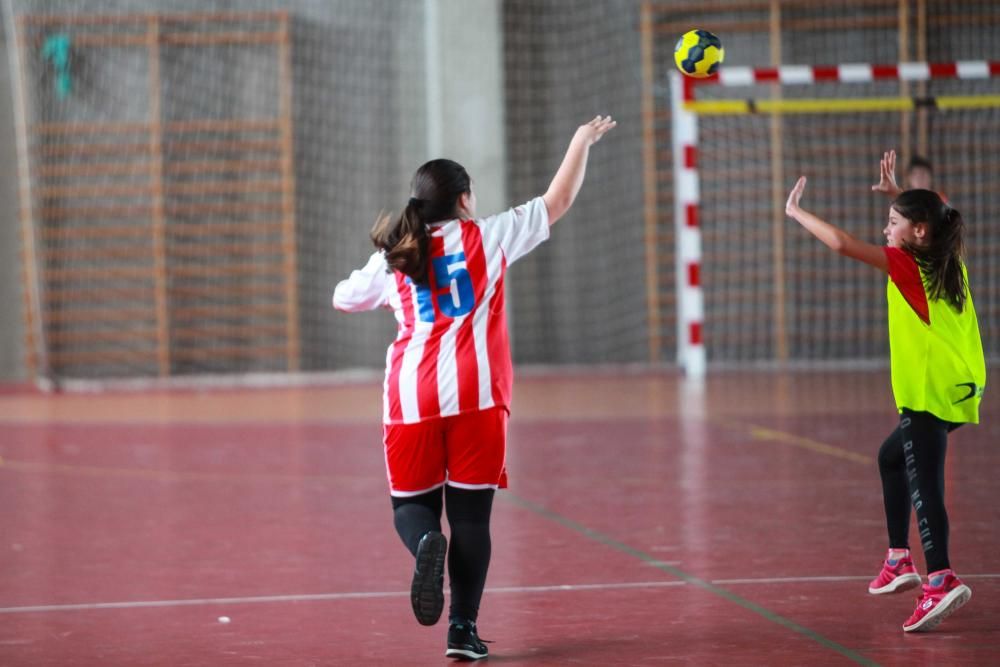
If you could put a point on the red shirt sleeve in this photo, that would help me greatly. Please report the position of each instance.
(905, 274)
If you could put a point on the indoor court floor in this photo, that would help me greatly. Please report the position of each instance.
(650, 521)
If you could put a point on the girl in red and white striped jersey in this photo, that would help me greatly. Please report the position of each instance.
(448, 373)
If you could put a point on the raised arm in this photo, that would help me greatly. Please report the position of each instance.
(887, 176)
(833, 237)
(567, 181)
(365, 289)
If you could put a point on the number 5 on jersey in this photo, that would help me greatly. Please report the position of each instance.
(453, 289)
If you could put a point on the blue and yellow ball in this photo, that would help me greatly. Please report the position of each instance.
(699, 53)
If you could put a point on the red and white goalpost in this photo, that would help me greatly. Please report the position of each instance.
(685, 109)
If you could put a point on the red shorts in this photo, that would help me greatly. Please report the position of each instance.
(466, 451)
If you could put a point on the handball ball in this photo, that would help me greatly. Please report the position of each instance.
(699, 53)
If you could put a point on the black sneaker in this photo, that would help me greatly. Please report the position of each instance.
(427, 589)
(464, 643)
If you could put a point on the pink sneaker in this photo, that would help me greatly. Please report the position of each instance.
(943, 594)
(897, 575)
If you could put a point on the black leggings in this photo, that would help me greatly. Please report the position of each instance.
(469, 551)
(911, 463)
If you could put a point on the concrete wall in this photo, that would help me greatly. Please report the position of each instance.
(466, 94)
(11, 304)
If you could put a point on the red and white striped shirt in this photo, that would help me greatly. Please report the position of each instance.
(451, 353)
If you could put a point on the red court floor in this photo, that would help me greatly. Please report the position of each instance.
(650, 521)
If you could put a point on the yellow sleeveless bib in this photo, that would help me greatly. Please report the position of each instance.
(937, 367)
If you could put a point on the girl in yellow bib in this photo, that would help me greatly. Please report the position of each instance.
(938, 376)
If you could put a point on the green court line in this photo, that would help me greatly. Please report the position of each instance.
(689, 578)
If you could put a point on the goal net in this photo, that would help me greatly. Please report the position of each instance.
(760, 288)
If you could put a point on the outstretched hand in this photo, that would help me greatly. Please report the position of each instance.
(887, 175)
(792, 205)
(831, 236)
(592, 132)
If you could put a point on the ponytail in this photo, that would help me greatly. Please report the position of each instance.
(941, 259)
(405, 241)
(944, 260)
(437, 186)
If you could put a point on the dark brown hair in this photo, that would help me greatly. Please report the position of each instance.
(436, 187)
(941, 259)
(919, 162)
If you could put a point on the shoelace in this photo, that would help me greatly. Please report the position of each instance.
(478, 638)
(475, 632)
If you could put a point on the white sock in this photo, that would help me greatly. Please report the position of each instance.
(896, 554)
(935, 578)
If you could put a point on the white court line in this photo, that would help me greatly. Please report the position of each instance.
(388, 594)
(791, 580)
(324, 596)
